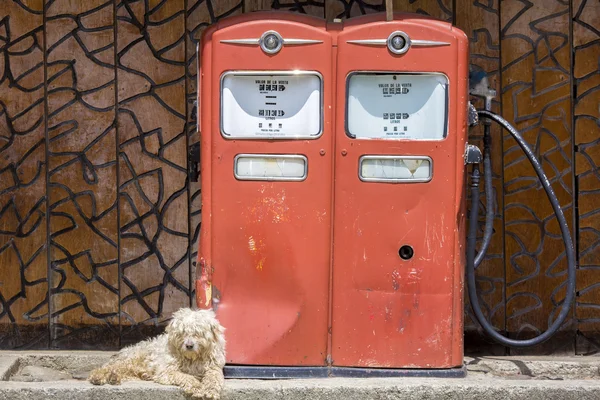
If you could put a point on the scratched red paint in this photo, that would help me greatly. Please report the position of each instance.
(269, 242)
(414, 306)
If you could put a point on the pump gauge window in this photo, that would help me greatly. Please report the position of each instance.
(397, 106)
(271, 105)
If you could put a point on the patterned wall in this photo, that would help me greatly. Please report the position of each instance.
(586, 112)
(99, 224)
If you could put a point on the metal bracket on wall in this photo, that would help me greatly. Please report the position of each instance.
(194, 162)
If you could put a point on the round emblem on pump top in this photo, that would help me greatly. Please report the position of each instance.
(398, 42)
(271, 42)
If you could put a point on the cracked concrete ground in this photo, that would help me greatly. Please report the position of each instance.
(61, 375)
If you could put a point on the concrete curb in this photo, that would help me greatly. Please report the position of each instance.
(320, 389)
(8, 366)
(489, 378)
(537, 367)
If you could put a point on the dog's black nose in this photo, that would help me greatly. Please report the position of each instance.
(189, 346)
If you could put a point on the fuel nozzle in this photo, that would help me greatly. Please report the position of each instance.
(479, 86)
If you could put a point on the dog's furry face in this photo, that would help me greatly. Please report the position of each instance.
(192, 334)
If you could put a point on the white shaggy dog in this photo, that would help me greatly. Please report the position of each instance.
(190, 354)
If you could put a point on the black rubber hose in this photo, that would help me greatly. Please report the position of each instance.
(489, 197)
(472, 234)
(564, 228)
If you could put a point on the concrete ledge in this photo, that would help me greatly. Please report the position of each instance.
(77, 390)
(488, 378)
(319, 389)
(536, 367)
(8, 366)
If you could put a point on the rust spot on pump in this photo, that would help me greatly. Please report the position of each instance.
(270, 208)
(396, 280)
(256, 248)
(251, 244)
(261, 264)
(204, 285)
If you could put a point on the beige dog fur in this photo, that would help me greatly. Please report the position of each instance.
(190, 354)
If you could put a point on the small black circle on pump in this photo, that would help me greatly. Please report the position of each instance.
(398, 42)
(271, 42)
(406, 252)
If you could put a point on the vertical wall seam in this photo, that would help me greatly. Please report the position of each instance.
(118, 159)
(47, 154)
(575, 184)
(454, 16)
(187, 149)
(501, 194)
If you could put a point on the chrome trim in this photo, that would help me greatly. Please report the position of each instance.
(285, 179)
(403, 49)
(426, 43)
(381, 72)
(373, 42)
(387, 42)
(254, 42)
(260, 41)
(276, 49)
(271, 73)
(394, 180)
(301, 41)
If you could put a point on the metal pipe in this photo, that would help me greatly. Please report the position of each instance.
(389, 10)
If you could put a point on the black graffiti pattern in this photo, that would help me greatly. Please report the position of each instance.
(113, 246)
(587, 173)
(23, 202)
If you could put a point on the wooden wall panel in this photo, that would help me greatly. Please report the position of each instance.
(257, 5)
(481, 23)
(586, 72)
(124, 221)
(311, 7)
(23, 255)
(347, 9)
(82, 174)
(441, 9)
(153, 198)
(536, 85)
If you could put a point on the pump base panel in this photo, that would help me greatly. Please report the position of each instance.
(258, 372)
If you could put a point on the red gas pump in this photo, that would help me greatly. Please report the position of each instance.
(333, 164)
(266, 173)
(399, 216)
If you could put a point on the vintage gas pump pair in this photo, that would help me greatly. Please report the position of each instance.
(333, 167)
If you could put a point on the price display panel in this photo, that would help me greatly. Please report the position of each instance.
(397, 106)
(279, 105)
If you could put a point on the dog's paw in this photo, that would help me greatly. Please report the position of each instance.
(206, 394)
(145, 376)
(114, 378)
(97, 378)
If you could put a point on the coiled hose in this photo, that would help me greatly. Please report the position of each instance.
(472, 237)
